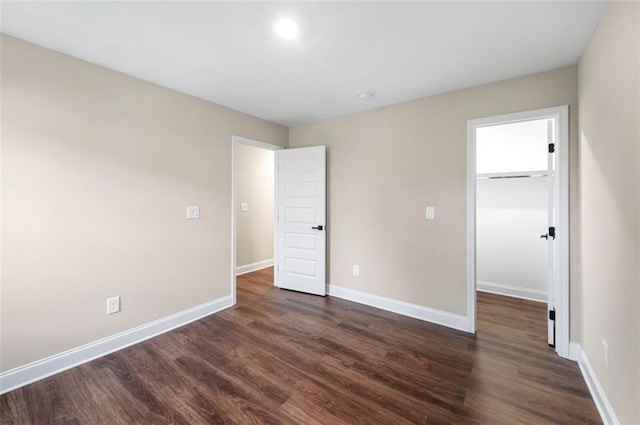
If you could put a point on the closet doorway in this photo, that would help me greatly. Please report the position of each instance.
(518, 213)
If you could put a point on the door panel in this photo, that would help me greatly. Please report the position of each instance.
(551, 240)
(300, 258)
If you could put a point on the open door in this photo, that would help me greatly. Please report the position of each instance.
(550, 236)
(301, 226)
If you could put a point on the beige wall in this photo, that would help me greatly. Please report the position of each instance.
(384, 168)
(609, 94)
(98, 167)
(97, 170)
(254, 186)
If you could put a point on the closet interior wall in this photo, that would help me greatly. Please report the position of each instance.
(511, 202)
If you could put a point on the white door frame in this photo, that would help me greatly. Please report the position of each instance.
(561, 114)
(235, 141)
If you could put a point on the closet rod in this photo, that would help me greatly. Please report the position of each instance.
(515, 176)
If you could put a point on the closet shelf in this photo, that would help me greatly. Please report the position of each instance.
(512, 175)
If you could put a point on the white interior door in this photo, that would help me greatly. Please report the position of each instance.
(301, 226)
(552, 275)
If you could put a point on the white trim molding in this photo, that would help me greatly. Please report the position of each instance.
(32, 372)
(400, 307)
(597, 393)
(512, 291)
(259, 265)
(575, 350)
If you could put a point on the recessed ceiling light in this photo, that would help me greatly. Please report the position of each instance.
(287, 28)
(366, 96)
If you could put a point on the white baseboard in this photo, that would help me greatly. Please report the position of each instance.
(32, 372)
(599, 397)
(512, 291)
(575, 351)
(248, 268)
(407, 309)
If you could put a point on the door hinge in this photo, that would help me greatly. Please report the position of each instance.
(552, 232)
(552, 315)
(552, 147)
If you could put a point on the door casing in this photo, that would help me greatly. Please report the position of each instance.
(561, 114)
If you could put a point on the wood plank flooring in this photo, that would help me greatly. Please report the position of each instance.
(290, 358)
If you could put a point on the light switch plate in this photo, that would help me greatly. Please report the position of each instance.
(431, 213)
(244, 207)
(193, 213)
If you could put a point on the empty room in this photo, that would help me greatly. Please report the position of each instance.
(320, 212)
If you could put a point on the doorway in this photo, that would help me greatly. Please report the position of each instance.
(294, 218)
(518, 213)
(253, 238)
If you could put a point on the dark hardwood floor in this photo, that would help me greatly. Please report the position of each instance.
(286, 357)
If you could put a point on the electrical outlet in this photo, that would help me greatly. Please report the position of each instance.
(356, 270)
(113, 305)
(605, 353)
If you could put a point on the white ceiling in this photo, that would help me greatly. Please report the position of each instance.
(228, 53)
